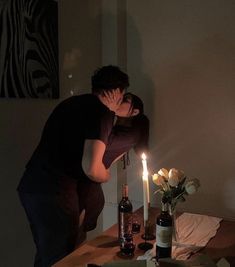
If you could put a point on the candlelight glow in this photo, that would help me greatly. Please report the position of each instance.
(145, 169)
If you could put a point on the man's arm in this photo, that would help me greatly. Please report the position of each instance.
(92, 161)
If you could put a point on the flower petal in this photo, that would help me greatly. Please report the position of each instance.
(173, 173)
(173, 181)
(173, 177)
(158, 180)
(163, 172)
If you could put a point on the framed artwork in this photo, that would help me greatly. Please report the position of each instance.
(29, 65)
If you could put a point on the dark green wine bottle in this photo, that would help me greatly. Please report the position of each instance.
(125, 235)
(164, 229)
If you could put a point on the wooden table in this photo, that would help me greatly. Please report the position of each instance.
(104, 248)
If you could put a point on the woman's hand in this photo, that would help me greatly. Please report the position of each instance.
(92, 161)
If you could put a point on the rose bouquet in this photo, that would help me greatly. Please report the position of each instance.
(174, 186)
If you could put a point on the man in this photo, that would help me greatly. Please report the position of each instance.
(70, 151)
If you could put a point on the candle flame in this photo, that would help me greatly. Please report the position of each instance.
(143, 156)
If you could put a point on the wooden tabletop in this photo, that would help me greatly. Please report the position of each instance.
(105, 248)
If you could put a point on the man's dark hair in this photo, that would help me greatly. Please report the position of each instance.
(108, 78)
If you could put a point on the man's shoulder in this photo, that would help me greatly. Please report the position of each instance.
(79, 101)
(85, 106)
(80, 98)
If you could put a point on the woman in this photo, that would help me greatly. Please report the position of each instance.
(131, 130)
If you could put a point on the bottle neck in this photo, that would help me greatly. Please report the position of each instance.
(165, 207)
(125, 191)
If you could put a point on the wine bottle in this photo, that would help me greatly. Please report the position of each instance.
(164, 233)
(125, 235)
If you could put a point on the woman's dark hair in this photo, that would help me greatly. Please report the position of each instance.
(140, 123)
(108, 78)
(136, 102)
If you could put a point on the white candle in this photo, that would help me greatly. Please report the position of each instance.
(148, 199)
(145, 187)
(145, 171)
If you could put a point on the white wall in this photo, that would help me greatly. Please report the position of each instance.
(21, 121)
(181, 61)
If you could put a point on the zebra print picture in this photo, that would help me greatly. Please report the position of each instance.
(29, 49)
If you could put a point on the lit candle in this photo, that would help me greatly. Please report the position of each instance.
(148, 200)
(145, 187)
(145, 171)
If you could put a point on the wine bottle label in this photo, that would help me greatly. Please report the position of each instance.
(164, 236)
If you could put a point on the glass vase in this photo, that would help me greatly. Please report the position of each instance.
(175, 232)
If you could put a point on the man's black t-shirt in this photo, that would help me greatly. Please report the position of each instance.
(60, 150)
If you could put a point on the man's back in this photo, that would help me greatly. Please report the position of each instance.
(59, 152)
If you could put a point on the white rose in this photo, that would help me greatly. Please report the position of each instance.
(192, 186)
(163, 172)
(158, 179)
(173, 177)
(173, 181)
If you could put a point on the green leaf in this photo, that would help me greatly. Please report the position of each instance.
(181, 199)
(182, 181)
(159, 191)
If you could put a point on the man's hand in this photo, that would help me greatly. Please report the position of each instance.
(113, 99)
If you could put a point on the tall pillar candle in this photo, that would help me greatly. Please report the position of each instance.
(145, 187)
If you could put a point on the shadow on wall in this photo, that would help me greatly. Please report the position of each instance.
(142, 85)
(195, 118)
(140, 82)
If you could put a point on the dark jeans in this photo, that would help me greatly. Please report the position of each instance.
(91, 198)
(53, 230)
(54, 222)
(54, 218)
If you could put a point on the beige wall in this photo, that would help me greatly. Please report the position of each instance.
(179, 59)
(181, 62)
(21, 121)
